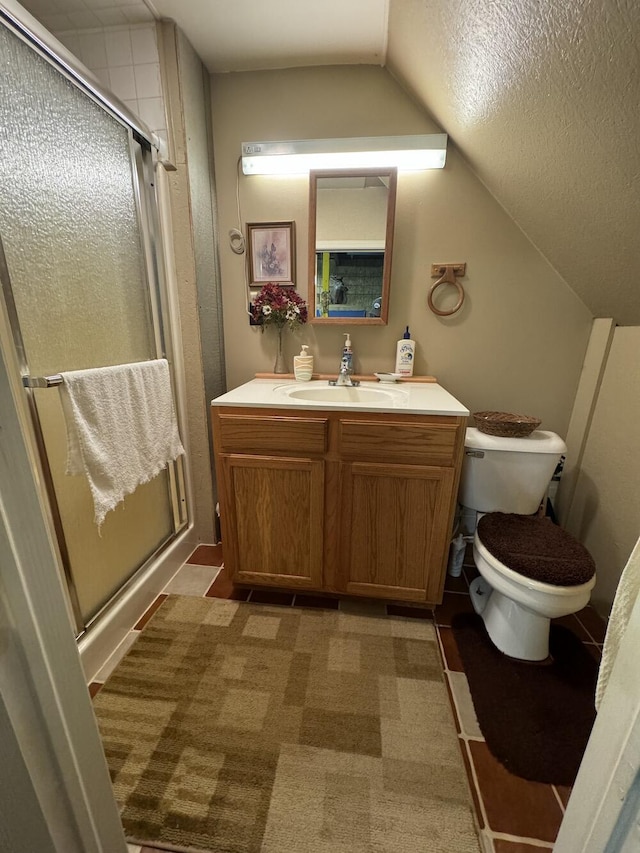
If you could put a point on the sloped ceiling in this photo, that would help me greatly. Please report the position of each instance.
(543, 99)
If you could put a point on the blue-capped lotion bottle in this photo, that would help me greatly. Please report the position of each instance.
(405, 351)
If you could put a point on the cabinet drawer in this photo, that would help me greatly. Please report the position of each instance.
(417, 443)
(291, 436)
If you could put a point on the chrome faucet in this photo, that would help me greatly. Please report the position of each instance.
(346, 367)
(344, 377)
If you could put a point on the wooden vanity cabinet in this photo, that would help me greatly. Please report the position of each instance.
(398, 484)
(357, 503)
(270, 472)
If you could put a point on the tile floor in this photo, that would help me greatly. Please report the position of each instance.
(514, 815)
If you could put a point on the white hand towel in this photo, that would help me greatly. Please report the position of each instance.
(626, 595)
(121, 428)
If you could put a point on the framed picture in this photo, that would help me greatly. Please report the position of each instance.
(271, 254)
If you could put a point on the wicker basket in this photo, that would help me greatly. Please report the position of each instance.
(506, 424)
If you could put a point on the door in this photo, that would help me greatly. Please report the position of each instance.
(79, 280)
(273, 520)
(394, 530)
(603, 814)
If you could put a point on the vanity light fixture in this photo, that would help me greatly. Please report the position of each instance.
(407, 153)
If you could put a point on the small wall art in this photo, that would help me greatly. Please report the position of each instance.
(271, 255)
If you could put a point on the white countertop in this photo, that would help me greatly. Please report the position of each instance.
(417, 399)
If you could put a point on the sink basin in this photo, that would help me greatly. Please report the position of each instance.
(411, 398)
(345, 394)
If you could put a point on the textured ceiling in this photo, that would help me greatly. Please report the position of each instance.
(541, 96)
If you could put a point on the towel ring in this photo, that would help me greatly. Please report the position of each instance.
(447, 273)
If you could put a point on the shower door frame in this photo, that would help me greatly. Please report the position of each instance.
(142, 145)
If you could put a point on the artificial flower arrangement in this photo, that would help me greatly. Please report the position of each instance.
(280, 307)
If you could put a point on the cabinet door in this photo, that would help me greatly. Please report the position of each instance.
(272, 519)
(395, 530)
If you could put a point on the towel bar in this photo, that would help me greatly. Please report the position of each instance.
(56, 378)
(42, 381)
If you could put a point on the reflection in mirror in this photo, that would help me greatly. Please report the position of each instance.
(351, 217)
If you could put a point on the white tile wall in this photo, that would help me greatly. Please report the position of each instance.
(143, 44)
(151, 111)
(125, 59)
(63, 15)
(123, 82)
(147, 80)
(118, 44)
(93, 48)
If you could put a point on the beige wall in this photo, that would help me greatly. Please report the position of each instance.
(593, 367)
(605, 511)
(518, 342)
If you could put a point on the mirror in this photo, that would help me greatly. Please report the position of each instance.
(351, 218)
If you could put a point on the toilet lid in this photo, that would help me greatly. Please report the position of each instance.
(536, 548)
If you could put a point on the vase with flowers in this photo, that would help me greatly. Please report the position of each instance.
(281, 308)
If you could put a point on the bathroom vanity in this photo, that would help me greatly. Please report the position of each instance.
(340, 489)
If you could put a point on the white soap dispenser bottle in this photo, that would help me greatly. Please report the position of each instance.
(303, 365)
(405, 351)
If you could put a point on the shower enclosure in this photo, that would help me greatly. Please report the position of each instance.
(82, 284)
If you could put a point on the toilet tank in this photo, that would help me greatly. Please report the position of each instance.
(508, 474)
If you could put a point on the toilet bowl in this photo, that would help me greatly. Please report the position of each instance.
(516, 609)
(531, 571)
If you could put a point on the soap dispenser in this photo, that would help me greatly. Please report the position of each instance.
(347, 353)
(303, 365)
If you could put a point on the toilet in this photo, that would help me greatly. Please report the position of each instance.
(531, 570)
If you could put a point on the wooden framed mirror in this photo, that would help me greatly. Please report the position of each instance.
(351, 222)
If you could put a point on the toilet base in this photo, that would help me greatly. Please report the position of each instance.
(513, 629)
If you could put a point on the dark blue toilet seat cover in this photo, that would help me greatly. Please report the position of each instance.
(536, 548)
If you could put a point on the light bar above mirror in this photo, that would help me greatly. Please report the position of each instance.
(406, 153)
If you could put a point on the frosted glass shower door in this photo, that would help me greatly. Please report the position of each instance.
(80, 273)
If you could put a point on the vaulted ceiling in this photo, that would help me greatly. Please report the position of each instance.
(540, 96)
